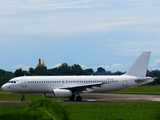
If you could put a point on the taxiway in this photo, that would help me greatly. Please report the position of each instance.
(100, 98)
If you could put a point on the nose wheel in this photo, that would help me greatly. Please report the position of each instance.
(23, 97)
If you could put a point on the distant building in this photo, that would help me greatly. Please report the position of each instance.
(39, 65)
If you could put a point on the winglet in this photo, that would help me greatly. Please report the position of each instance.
(139, 68)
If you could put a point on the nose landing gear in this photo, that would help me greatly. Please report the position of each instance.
(23, 97)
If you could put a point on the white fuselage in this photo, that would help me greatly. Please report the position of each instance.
(45, 84)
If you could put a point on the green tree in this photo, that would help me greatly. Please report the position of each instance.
(101, 71)
(18, 72)
(5, 76)
(89, 70)
(40, 70)
(31, 70)
(77, 70)
(64, 69)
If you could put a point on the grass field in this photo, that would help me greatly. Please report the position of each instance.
(147, 89)
(1, 90)
(139, 111)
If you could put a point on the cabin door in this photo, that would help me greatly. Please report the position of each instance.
(125, 83)
(24, 82)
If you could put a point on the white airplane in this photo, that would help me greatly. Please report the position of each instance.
(71, 86)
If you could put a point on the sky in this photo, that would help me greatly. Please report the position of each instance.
(91, 33)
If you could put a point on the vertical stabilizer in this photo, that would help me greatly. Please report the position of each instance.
(139, 68)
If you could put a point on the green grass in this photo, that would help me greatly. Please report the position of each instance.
(145, 111)
(17, 97)
(147, 89)
(140, 111)
(1, 90)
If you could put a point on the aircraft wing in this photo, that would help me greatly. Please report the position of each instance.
(83, 87)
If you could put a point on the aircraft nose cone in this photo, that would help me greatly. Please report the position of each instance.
(4, 87)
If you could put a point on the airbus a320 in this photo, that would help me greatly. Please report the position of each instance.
(72, 86)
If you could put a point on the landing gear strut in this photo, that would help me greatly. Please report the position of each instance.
(78, 98)
(23, 97)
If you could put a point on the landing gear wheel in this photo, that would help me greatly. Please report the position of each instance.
(72, 98)
(22, 99)
(79, 98)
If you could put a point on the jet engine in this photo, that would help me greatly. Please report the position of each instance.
(58, 93)
(61, 93)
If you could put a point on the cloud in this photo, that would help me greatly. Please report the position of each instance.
(155, 65)
(83, 66)
(57, 65)
(18, 6)
(117, 66)
(51, 18)
(71, 5)
(23, 67)
(105, 26)
(136, 48)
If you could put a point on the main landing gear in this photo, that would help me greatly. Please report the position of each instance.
(78, 98)
(23, 97)
(72, 98)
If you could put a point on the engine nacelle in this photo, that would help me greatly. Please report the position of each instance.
(61, 93)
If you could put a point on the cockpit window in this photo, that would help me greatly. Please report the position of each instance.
(11, 81)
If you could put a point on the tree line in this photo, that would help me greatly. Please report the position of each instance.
(65, 69)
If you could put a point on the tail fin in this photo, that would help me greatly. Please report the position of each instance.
(139, 68)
